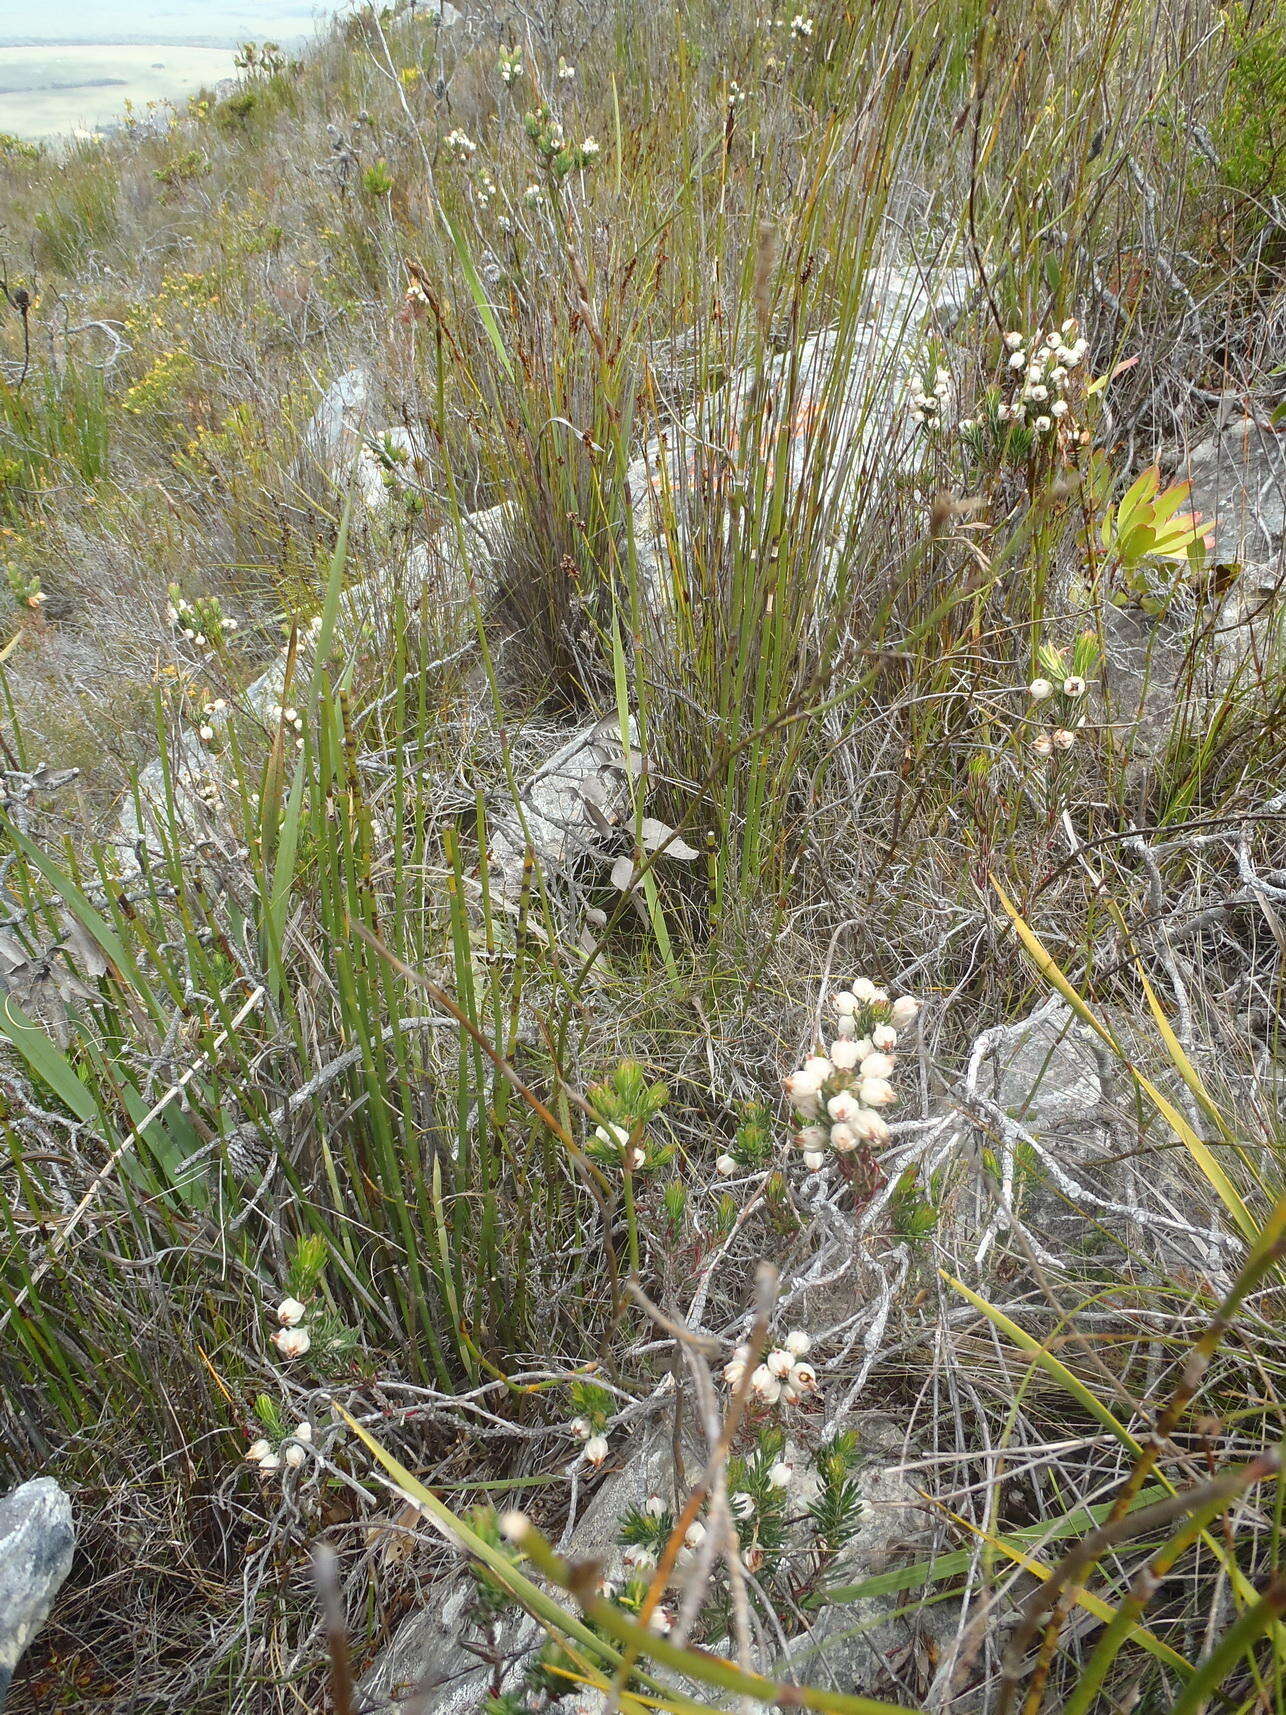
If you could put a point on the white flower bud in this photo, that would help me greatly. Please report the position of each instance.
(869, 1127)
(270, 1462)
(303, 1432)
(514, 1525)
(582, 1427)
(844, 1054)
(843, 1139)
(1013, 341)
(740, 1504)
(779, 1363)
(814, 1160)
(1018, 360)
(292, 1342)
(878, 1066)
(811, 1137)
(803, 1378)
(845, 1004)
(876, 1093)
(290, 1312)
(294, 1455)
(1043, 744)
(614, 1136)
(798, 1343)
(1039, 689)
(818, 1068)
(842, 1106)
(846, 1028)
(258, 1450)
(864, 990)
(1075, 686)
(799, 1086)
(733, 1371)
(904, 1011)
(654, 1506)
(780, 1473)
(766, 1385)
(726, 1166)
(1063, 739)
(695, 1534)
(884, 1037)
(596, 1449)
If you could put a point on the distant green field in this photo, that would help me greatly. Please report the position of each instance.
(48, 92)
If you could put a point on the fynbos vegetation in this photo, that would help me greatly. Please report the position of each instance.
(643, 866)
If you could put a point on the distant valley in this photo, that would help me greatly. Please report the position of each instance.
(72, 74)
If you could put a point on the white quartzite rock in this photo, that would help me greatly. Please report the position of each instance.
(37, 1538)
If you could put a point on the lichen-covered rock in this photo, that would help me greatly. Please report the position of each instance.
(1045, 1070)
(1238, 476)
(333, 435)
(37, 1539)
(440, 1655)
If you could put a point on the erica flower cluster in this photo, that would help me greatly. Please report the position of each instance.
(209, 715)
(559, 156)
(291, 1451)
(783, 1376)
(1058, 695)
(459, 144)
(612, 1143)
(292, 1339)
(288, 718)
(595, 1449)
(929, 402)
(839, 1095)
(1040, 369)
(201, 620)
(625, 1104)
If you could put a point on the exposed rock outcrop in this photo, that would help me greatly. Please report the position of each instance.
(37, 1539)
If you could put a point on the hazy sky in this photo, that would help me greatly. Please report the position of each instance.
(159, 20)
